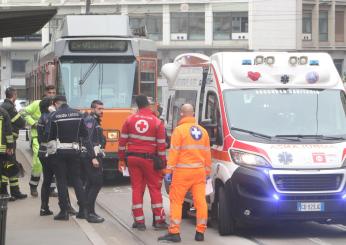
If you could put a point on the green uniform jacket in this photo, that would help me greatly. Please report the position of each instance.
(6, 131)
(31, 114)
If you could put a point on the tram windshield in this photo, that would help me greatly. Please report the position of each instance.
(109, 79)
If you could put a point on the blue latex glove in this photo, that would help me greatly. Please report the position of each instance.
(207, 178)
(168, 178)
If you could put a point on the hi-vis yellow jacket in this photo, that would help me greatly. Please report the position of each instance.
(190, 147)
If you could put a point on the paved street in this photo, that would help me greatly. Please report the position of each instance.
(114, 204)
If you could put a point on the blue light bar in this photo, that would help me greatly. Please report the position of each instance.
(314, 62)
(276, 197)
(246, 62)
(344, 196)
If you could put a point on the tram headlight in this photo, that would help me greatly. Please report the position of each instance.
(113, 135)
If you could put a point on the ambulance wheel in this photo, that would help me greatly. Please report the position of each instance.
(226, 223)
(185, 210)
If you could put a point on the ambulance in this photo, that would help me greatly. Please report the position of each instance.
(277, 125)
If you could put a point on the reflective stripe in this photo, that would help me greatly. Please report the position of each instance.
(53, 185)
(139, 218)
(189, 165)
(136, 206)
(202, 221)
(14, 184)
(68, 119)
(175, 147)
(161, 153)
(192, 147)
(125, 136)
(34, 182)
(159, 218)
(15, 118)
(158, 205)
(160, 141)
(14, 134)
(121, 148)
(175, 221)
(140, 137)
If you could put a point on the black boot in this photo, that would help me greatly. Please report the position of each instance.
(33, 191)
(71, 211)
(139, 226)
(82, 214)
(45, 211)
(15, 192)
(199, 237)
(160, 226)
(169, 237)
(62, 215)
(94, 218)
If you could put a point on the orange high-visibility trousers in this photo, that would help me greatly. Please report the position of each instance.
(185, 179)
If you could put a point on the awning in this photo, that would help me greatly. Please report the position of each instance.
(19, 21)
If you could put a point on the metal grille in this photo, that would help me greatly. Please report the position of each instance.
(308, 182)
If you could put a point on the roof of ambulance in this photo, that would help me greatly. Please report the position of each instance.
(236, 70)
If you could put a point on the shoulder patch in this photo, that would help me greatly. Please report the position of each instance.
(196, 133)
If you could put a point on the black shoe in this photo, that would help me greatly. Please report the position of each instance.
(139, 226)
(82, 214)
(199, 237)
(33, 191)
(160, 226)
(169, 237)
(19, 195)
(45, 212)
(11, 198)
(71, 211)
(53, 193)
(62, 215)
(93, 218)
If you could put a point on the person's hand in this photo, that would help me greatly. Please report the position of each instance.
(168, 178)
(95, 163)
(121, 165)
(9, 151)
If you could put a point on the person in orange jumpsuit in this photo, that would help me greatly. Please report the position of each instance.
(188, 167)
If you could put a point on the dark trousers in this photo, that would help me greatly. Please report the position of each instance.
(94, 181)
(63, 165)
(48, 174)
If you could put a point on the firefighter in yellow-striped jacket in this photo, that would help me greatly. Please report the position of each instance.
(6, 138)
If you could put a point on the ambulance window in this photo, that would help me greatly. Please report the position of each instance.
(212, 112)
(182, 97)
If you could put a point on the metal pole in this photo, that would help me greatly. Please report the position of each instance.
(87, 6)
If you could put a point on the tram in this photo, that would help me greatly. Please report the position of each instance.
(97, 57)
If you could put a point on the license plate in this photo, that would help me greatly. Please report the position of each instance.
(310, 206)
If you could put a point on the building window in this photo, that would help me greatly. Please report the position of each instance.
(323, 26)
(307, 23)
(187, 26)
(18, 67)
(339, 27)
(227, 23)
(153, 24)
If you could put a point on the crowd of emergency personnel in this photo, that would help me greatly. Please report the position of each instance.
(66, 142)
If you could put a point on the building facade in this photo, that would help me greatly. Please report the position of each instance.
(205, 26)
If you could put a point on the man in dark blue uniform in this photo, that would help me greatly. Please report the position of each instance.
(93, 167)
(66, 129)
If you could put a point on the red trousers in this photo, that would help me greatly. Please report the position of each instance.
(142, 174)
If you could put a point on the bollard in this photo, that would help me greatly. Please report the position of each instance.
(3, 215)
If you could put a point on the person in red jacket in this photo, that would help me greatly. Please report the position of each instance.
(142, 140)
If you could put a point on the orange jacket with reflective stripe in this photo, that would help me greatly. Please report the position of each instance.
(190, 146)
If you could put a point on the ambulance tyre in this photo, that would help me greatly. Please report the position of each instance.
(226, 223)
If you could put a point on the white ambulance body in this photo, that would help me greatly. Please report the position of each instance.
(277, 123)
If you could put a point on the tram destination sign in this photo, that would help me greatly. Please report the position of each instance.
(98, 45)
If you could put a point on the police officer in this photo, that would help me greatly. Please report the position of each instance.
(93, 167)
(66, 129)
(6, 138)
(31, 114)
(17, 122)
(189, 160)
(144, 136)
